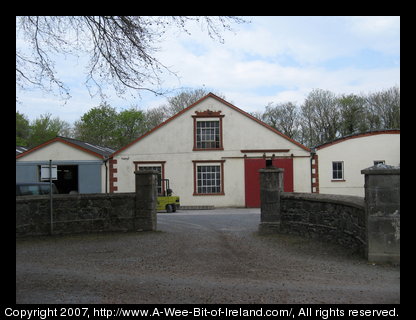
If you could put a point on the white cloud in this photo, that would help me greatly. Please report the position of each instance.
(374, 26)
(272, 59)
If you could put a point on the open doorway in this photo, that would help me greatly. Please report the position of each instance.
(67, 178)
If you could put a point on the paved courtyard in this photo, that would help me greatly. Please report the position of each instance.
(206, 256)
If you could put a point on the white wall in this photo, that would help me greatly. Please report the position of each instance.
(357, 153)
(58, 151)
(173, 143)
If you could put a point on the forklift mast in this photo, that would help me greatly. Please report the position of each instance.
(166, 191)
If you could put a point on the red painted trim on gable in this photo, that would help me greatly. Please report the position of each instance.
(360, 135)
(208, 114)
(58, 139)
(211, 95)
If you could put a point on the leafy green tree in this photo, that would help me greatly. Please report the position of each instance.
(130, 125)
(45, 128)
(98, 126)
(22, 129)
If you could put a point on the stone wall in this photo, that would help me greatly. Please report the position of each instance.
(370, 225)
(79, 213)
(333, 218)
(76, 213)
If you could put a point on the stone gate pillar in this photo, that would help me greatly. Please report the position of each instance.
(146, 199)
(271, 180)
(382, 206)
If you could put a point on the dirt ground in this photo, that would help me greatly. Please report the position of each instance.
(207, 256)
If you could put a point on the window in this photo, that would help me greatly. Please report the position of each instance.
(208, 177)
(207, 134)
(376, 162)
(159, 177)
(337, 170)
(208, 130)
(158, 166)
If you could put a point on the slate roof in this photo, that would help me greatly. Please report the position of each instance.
(20, 149)
(98, 151)
(104, 151)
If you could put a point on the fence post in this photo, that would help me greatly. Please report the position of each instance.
(146, 199)
(382, 207)
(271, 180)
(50, 195)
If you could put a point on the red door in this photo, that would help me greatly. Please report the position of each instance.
(252, 180)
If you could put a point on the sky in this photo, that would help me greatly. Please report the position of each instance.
(271, 59)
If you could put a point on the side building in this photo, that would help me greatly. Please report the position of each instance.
(336, 165)
(82, 167)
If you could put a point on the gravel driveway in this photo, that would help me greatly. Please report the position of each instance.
(207, 256)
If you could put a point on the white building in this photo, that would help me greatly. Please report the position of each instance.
(337, 165)
(82, 167)
(211, 153)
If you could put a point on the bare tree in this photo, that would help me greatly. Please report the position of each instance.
(320, 117)
(185, 98)
(353, 116)
(284, 117)
(384, 106)
(121, 49)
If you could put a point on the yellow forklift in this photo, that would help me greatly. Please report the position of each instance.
(166, 201)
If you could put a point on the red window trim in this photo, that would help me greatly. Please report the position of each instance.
(208, 114)
(161, 163)
(196, 162)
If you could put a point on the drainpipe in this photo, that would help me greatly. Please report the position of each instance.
(106, 174)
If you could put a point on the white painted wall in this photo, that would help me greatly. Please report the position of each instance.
(173, 143)
(57, 151)
(357, 153)
(60, 151)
